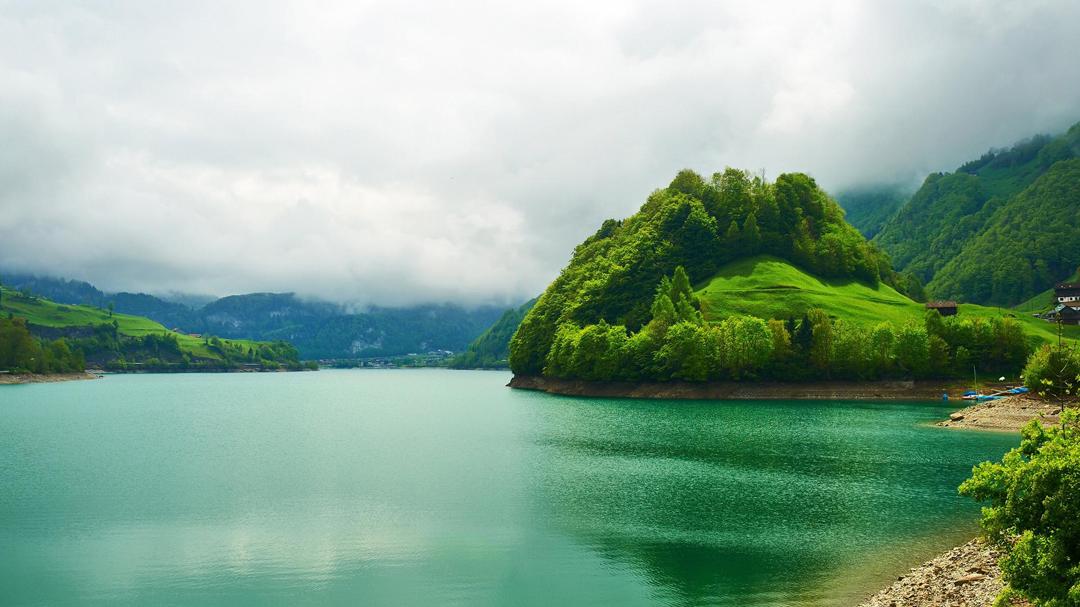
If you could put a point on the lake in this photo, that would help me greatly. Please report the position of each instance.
(424, 487)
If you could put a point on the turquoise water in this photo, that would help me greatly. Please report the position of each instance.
(423, 487)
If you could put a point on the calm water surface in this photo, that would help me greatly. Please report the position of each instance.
(443, 487)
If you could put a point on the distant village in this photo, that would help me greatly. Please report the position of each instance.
(1065, 308)
(1066, 304)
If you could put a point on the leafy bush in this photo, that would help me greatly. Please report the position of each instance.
(1053, 371)
(1034, 513)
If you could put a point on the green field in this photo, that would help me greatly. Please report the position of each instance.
(45, 313)
(768, 287)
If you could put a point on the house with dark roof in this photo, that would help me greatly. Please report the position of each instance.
(1067, 292)
(1069, 314)
(945, 308)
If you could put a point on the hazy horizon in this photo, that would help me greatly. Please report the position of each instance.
(395, 153)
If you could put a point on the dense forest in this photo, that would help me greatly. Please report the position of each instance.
(997, 231)
(700, 225)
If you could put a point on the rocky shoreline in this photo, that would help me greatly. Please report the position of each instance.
(37, 378)
(966, 576)
(729, 390)
(1005, 415)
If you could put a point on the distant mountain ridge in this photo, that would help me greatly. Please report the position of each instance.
(318, 329)
(1000, 229)
(869, 208)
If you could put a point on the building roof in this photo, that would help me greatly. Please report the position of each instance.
(941, 304)
(1067, 285)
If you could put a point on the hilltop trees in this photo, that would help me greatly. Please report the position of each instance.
(699, 225)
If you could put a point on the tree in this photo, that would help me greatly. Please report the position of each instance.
(822, 343)
(881, 346)
(912, 349)
(751, 235)
(1033, 513)
(112, 306)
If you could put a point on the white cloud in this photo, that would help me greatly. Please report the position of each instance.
(394, 152)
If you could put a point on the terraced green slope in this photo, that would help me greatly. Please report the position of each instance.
(768, 287)
(45, 313)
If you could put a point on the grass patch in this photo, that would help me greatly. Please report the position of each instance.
(46, 313)
(768, 287)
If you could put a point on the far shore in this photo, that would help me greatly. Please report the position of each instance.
(43, 378)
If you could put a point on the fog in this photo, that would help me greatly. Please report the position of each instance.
(399, 152)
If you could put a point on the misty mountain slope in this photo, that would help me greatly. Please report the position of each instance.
(318, 329)
(870, 208)
(491, 350)
(1025, 247)
(951, 210)
(325, 330)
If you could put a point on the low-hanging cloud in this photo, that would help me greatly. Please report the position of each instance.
(400, 152)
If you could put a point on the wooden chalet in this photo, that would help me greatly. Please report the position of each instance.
(945, 308)
(1067, 292)
(1069, 314)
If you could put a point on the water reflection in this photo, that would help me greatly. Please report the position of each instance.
(748, 503)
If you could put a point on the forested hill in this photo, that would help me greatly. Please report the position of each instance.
(700, 225)
(999, 230)
(491, 350)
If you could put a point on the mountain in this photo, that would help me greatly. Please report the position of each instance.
(869, 208)
(318, 329)
(1029, 243)
(491, 350)
(324, 330)
(124, 341)
(1021, 198)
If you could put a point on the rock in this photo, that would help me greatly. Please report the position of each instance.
(970, 578)
(956, 416)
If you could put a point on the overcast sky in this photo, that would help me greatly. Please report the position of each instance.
(398, 152)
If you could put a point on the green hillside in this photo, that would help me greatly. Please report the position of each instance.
(1026, 246)
(106, 337)
(1044, 300)
(767, 287)
(491, 350)
(999, 230)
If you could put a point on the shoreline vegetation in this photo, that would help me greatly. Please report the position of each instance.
(734, 390)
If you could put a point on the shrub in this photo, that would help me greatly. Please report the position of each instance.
(1053, 371)
(1034, 513)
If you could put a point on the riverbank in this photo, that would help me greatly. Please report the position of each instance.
(38, 378)
(966, 576)
(1006, 415)
(829, 390)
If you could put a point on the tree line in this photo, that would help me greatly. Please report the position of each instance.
(678, 344)
(21, 352)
